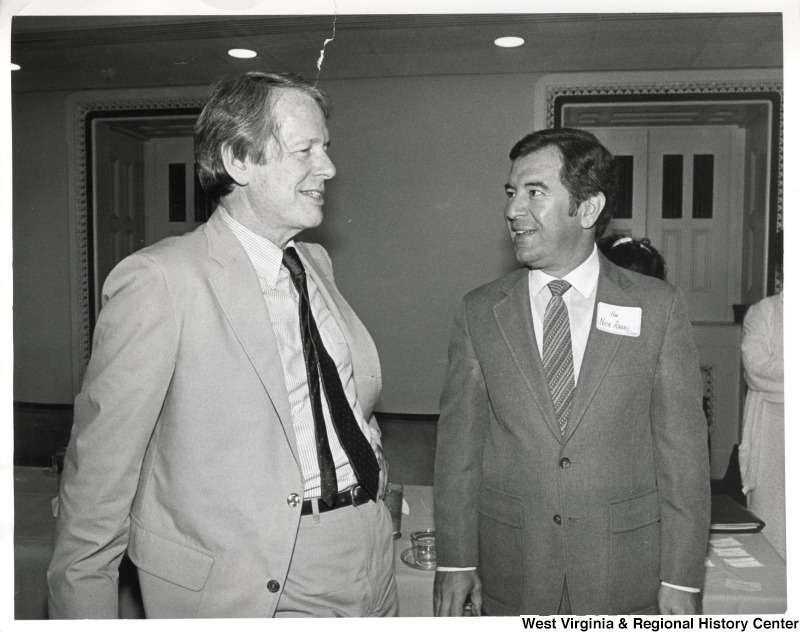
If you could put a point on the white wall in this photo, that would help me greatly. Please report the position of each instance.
(415, 215)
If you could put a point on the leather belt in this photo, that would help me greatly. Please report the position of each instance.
(355, 496)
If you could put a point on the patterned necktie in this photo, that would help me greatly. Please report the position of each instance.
(557, 352)
(320, 364)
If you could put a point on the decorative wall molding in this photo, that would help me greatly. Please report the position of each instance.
(707, 371)
(82, 110)
(687, 89)
(552, 90)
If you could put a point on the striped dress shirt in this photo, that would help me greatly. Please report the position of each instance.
(282, 302)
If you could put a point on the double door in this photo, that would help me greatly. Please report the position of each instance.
(678, 187)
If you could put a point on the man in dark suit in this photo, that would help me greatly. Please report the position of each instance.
(224, 435)
(572, 469)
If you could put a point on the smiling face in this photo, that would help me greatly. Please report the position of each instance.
(285, 195)
(546, 237)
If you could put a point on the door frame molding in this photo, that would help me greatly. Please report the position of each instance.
(554, 92)
(82, 110)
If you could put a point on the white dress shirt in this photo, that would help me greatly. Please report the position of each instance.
(282, 302)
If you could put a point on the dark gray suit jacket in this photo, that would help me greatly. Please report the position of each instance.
(618, 504)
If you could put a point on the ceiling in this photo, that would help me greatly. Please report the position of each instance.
(81, 53)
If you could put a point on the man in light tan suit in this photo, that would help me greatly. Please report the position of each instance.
(572, 469)
(224, 435)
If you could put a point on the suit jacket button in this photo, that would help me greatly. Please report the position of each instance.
(557, 519)
(273, 586)
(292, 500)
(564, 463)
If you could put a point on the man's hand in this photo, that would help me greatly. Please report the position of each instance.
(674, 601)
(450, 592)
(383, 478)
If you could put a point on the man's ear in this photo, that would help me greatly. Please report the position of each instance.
(237, 168)
(589, 210)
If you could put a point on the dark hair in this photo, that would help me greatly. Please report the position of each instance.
(634, 254)
(239, 114)
(587, 166)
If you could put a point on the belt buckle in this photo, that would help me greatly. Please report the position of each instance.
(355, 493)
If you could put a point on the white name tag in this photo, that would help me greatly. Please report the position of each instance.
(622, 321)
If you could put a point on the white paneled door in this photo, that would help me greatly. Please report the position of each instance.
(175, 204)
(680, 188)
(118, 201)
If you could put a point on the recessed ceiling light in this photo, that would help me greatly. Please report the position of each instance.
(509, 42)
(242, 53)
(14, 66)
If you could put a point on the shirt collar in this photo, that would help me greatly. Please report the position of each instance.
(265, 256)
(583, 278)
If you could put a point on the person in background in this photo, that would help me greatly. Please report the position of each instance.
(634, 254)
(571, 471)
(761, 453)
(224, 434)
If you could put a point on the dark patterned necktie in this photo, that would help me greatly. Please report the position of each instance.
(320, 364)
(557, 352)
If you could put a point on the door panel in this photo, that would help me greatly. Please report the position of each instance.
(629, 142)
(175, 204)
(693, 236)
(118, 200)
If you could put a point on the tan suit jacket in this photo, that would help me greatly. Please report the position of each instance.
(617, 504)
(183, 449)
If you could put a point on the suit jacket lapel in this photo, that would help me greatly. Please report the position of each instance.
(322, 283)
(601, 346)
(363, 355)
(513, 316)
(238, 291)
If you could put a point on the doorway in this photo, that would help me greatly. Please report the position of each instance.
(145, 187)
(754, 117)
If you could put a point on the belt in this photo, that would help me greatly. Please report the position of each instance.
(355, 495)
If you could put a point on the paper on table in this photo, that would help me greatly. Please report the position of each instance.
(743, 562)
(734, 551)
(739, 584)
(405, 509)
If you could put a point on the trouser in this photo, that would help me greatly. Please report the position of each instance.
(342, 565)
